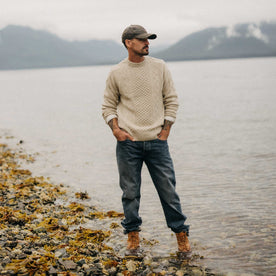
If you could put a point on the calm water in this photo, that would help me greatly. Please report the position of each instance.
(223, 145)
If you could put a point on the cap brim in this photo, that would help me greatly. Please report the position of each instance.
(146, 35)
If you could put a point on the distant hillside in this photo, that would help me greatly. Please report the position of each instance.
(239, 41)
(23, 47)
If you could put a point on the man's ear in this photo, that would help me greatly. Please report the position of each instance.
(128, 43)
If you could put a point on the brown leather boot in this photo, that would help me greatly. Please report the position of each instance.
(183, 242)
(133, 240)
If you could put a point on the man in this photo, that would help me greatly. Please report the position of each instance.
(140, 105)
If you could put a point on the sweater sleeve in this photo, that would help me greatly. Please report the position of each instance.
(170, 98)
(111, 99)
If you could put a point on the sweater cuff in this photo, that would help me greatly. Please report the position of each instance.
(171, 119)
(110, 117)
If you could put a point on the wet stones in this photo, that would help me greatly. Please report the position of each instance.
(68, 264)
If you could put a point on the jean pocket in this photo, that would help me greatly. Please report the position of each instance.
(159, 140)
(123, 141)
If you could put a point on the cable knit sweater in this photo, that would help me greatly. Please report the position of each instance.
(141, 95)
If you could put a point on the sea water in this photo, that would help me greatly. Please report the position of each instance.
(223, 145)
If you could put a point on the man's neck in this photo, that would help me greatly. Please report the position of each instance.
(136, 58)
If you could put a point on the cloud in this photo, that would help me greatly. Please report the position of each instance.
(215, 40)
(232, 32)
(255, 31)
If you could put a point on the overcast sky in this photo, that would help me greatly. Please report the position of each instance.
(171, 20)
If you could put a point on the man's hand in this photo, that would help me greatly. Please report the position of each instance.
(164, 134)
(120, 134)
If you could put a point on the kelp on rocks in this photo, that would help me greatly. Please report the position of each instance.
(38, 236)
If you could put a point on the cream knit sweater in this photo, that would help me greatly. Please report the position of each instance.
(141, 95)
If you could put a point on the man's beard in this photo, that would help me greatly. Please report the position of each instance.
(142, 53)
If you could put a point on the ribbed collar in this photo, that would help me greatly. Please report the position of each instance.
(136, 64)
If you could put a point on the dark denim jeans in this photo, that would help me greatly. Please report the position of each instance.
(155, 154)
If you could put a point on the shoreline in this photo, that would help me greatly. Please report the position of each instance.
(43, 230)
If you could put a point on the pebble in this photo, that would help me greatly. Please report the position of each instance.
(157, 270)
(85, 267)
(52, 270)
(68, 265)
(179, 273)
(81, 262)
(6, 260)
(21, 256)
(60, 253)
(197, 272)
(131, 266)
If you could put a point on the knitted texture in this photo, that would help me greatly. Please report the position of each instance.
(141, 95)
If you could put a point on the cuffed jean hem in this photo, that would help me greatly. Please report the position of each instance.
(185, 229)
(126, 231)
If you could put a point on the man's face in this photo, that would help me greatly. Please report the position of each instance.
(139, 46)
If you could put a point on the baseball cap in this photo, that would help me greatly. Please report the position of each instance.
(136, 31)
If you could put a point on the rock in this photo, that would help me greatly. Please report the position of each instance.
(147, 260)
(52, 271)
(6, 260)
(60, 253)
(21, 256)
(64, 221)
(11, 244)
(81, 262)
(172, 269)
(22, 243)
(4, 253)
(197, 272)
(40, 229)
(16, 251)
(155, 265)
(157, 270)
(131, 266)
(179, 273)
(90, 270)
(26, 232)
(93, 271)
(85, 267)
(68, 264)
(19, 237)
(27, 251)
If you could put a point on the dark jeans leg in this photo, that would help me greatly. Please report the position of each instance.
(160, 166)
(130, 161)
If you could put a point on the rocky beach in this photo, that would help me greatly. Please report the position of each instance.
(42, 230)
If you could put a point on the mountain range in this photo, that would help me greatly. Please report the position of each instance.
(23, 47)
(239, 41)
